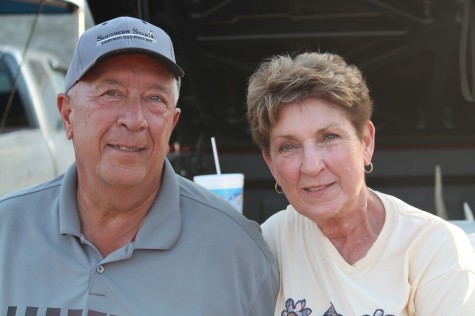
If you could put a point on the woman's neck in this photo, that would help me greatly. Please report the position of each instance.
(356, 232)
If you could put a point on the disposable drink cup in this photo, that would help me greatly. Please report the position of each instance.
(229, 186)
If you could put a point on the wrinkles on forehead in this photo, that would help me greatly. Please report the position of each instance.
(113, 72)
(111, 82)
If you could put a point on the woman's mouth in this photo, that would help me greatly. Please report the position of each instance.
(317, 188)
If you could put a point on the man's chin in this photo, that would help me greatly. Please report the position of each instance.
(124, 177)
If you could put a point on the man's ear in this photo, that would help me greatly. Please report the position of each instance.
(63, 102)
(176, 116)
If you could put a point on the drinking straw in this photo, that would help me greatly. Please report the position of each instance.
(215, 155)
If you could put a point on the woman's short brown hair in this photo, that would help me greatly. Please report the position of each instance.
(283, 79)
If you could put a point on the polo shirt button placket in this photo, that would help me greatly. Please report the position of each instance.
(100, 269)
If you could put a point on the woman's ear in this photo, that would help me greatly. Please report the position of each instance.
(269, 163)
(368, 141)
(63, 102)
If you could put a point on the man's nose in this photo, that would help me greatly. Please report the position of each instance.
(132, 115)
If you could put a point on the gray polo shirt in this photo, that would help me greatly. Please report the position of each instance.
(193, 255)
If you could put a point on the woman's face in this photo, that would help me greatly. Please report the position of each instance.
(317, 158)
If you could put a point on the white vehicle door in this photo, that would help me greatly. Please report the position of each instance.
(18, 169)
(25, 158)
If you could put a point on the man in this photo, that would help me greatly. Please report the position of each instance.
(120, 233)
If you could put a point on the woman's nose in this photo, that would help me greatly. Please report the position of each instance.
(312, 160)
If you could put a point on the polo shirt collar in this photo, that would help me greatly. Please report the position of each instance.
(162, 226)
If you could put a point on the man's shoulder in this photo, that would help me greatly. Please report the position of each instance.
(39, 193)
(202, 206)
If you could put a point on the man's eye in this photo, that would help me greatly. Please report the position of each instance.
(112, 93)
(156, 98)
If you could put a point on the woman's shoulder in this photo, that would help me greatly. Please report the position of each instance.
(395, 206)
(423, 230)
(285, 217)
(286, 225)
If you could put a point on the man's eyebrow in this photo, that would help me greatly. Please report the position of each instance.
(105, 82)
(161, 87)
(109, 81)
(115, 82)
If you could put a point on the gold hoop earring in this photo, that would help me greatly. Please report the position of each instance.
(278, 188)
(368, 168)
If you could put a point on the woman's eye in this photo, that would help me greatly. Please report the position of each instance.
(286, 148)
(328, 137)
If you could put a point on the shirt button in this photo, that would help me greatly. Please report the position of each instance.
(100, 269)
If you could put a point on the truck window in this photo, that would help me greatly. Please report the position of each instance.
(50, 79)
(14, 117)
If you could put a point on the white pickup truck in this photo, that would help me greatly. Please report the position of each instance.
(33, 145)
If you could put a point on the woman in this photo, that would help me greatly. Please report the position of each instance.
(344, 249)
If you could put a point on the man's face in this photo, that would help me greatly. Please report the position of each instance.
(120, 116)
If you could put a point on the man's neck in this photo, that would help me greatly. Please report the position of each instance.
(110, 219)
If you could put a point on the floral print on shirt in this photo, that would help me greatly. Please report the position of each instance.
(295, 309)
(299, 309)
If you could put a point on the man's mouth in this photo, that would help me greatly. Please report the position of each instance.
(127, 149)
